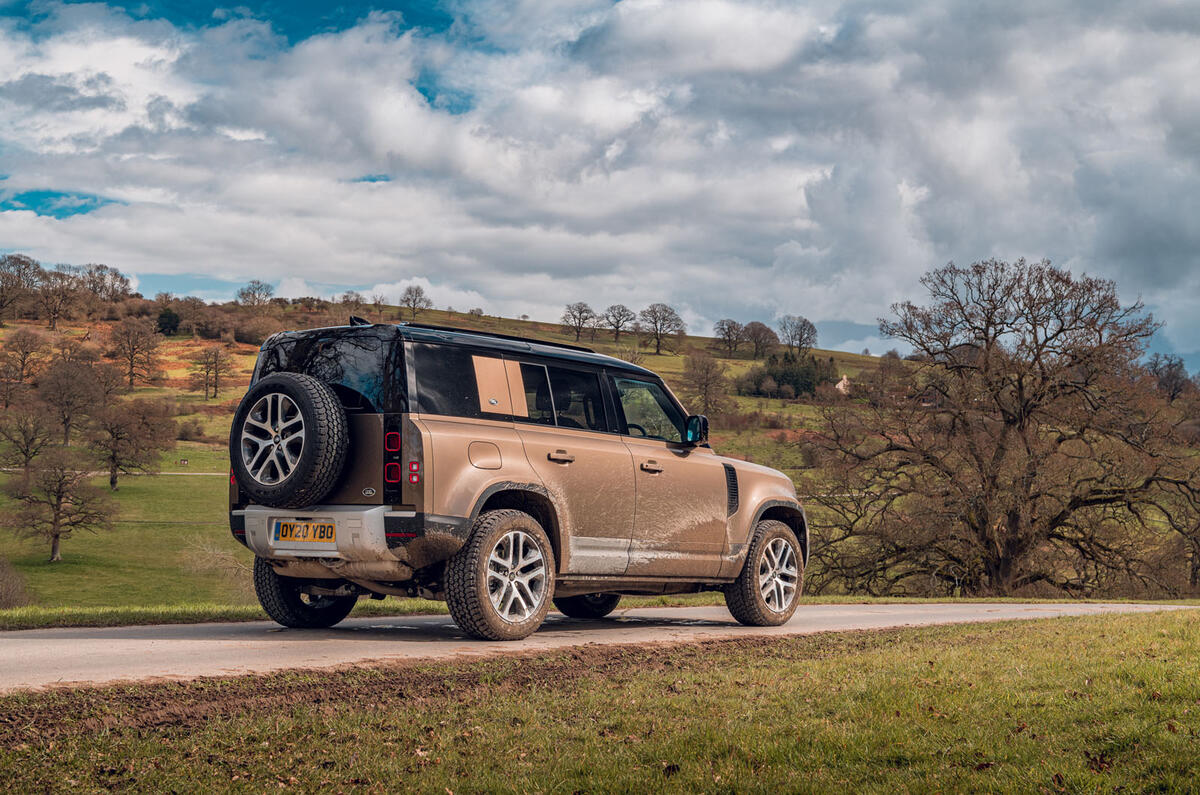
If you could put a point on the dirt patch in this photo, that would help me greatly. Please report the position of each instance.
(45, 717)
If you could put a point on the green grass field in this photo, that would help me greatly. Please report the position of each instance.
(1095, 704)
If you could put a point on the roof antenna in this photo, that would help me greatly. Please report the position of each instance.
(355, 320)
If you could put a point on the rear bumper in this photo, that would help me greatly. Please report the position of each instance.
(376, 534)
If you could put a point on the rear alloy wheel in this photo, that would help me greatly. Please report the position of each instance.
(767, 590)
(284, 600)
(499, 586)
(589, 605)
(288, 443)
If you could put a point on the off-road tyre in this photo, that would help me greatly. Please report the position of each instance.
(744, 596)
(468, 594)
(323, 455)
(590, 605)
(282, 599)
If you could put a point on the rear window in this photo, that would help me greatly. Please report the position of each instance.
(457, 382)
(365, 365)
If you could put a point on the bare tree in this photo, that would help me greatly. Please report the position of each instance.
(415, 300)
(71, 389)
(1170, 374)
(798, 334)
(24, 350)
(352, 301)
(110, 382)
(661, 322)
(1022, 448)
(762, 337)
(377, 301)
(19, 277)
(210, 367)
(57, 502)
(705, 383)
(191, 311)
(618, 317)
(255, 293)
(731, 334)
(57, 293)
(134, 342)
(131, 437)
(576, 318)
(28, 428)
(100, 285)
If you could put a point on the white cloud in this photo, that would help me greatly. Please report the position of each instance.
(736, 159)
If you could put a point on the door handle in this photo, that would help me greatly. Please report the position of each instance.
(561, 456)
(651, 466)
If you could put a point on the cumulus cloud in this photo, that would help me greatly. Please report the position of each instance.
(743, 159)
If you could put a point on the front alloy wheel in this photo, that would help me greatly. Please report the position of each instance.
(766, 591)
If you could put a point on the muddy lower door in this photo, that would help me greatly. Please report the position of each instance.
(560, 416)
(679, 527)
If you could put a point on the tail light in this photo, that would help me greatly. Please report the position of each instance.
(392, 473)
(414, 472)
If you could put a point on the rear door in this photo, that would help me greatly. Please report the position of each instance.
(679, 527)
(560, 415)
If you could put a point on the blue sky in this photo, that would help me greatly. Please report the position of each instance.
(741, 159)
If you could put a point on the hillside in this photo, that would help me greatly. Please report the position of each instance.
(170, 545)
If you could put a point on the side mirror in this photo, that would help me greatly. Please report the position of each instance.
(696, 430)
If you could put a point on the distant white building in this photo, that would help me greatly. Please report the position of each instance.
(843, 386)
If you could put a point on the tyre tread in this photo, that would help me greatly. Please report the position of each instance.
(743, 597)
(466, 603)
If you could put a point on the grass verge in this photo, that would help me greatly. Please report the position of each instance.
(1071, 704)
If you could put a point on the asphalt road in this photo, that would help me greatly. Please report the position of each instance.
(48, 657)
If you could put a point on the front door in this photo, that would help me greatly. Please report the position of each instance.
(679, 521)
(560, 417)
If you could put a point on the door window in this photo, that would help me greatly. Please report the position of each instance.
(577, 400)
(539, 405)
(649, 411)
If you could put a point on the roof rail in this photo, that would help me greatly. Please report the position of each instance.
(513, 337)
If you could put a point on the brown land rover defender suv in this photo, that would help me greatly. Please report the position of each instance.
(499, 474)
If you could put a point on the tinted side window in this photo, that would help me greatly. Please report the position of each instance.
(446, 381)
(539, 405)
(577, 399)
(648, 410)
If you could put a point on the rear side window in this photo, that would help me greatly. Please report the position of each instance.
(446, 381)
(577, 399)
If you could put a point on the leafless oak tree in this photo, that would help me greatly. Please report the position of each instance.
(19, 277)
(57, 501)
(24, 350)
(705, 383)
(761, 337)
(210, 367)
(731, 334)
(618, 317)
(255, 293)
(57, 293)
(130, 437)
(576, 317)
(798, 334)
(134, 343)
(71, 390)
(28, 428)
(414, 300)
(1026, 447)
(661, 322)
